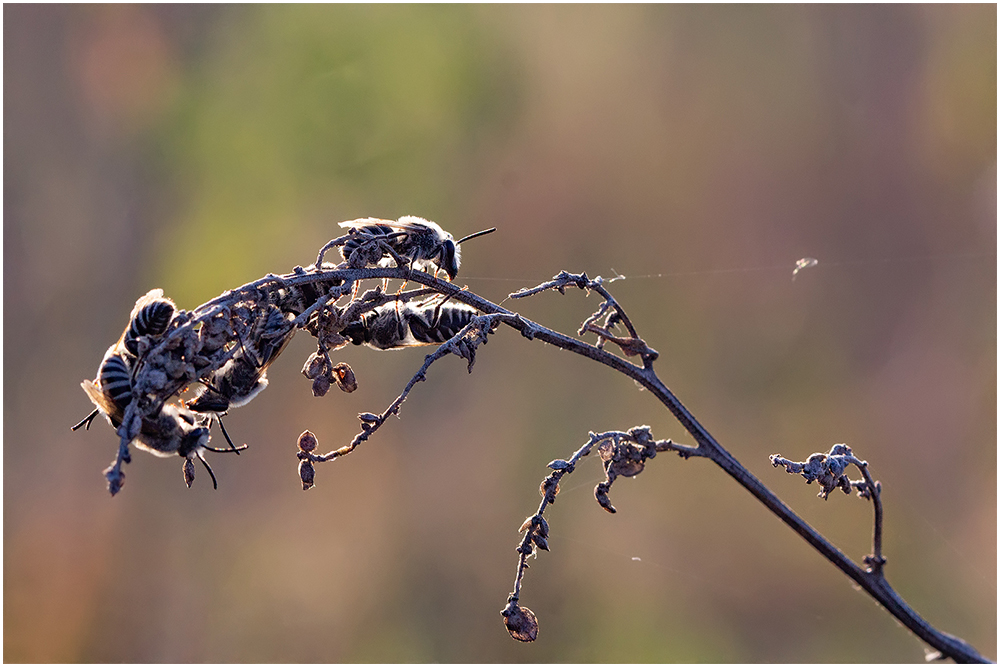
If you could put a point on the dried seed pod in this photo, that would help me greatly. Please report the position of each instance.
(540, 541)
(307, 441)
(321, 385)
(521, 622)
(307, 474)
(313, 367)
(628, 468)
(345, 377)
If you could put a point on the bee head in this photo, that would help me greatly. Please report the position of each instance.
(193, 440)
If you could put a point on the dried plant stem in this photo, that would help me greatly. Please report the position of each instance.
(535, 527)
(876, 561)
(871, 580)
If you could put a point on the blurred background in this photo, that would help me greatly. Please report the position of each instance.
(699, 151)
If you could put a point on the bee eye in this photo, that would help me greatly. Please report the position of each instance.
(448, 259)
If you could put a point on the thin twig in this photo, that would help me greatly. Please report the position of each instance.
(371, 422)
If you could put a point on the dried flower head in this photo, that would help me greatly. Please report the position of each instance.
(307, 441)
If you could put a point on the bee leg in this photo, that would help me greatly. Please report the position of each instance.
(88, 420)
(215, 482)
(437, 311)
(228, 439)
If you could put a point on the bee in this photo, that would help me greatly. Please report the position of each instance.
(150, 317)
(244, 375)
(427, 246)
(393, 326)
(175, 430)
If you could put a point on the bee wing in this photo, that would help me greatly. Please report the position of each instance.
(272, 351)
(208, 402)
(361, 223)
(412, 223)
(98, 398)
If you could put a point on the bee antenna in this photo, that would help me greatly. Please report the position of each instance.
(85, 421)
(215, 482)
(472, 236)
(225, 451)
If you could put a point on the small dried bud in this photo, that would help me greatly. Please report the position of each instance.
(116, 480)
(314, 366)
(368, 418)
(543, 527)
(549, 489)
(542, 543)
(560, 464)
(345, 377)
(307, 474)
(188, 472)
(526, 525)
(321, 385)
(308, 441)
(520, 622)
(156, 379)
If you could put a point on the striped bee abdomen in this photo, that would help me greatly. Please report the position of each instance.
(151, 320)
(450, 320)
(393, 326)
(116, 380)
